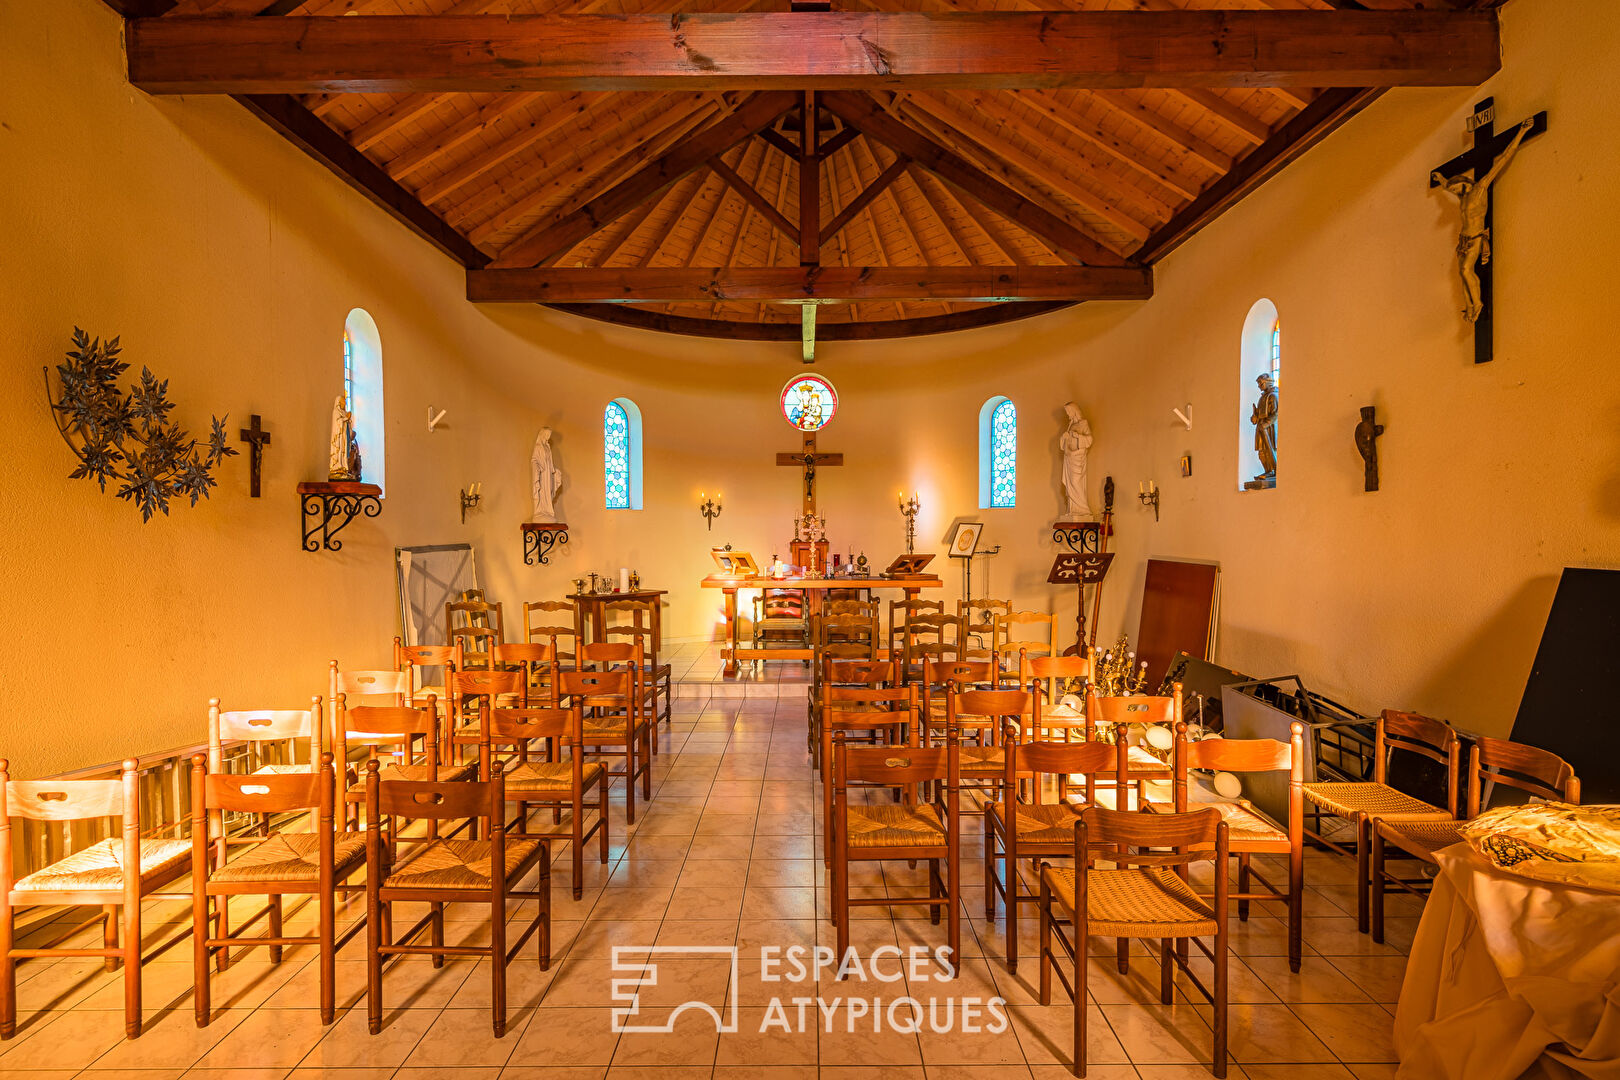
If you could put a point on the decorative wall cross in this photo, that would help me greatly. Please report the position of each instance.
(257, 439)
(1469, 176)
(808, 459)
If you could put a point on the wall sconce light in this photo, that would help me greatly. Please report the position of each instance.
(710, 508)
(1148, 492)
(909, 508)
(471, 497)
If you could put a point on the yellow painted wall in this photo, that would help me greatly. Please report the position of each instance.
(227, 260)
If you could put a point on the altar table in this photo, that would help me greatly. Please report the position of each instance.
(592, 614)
(912, 586)
(1510, 977)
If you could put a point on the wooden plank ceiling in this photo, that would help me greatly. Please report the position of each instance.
(1025, 199)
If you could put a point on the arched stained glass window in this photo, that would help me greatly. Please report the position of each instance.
(1276, 349)
(363, 391)
(621, 455)
(616, 456)
(998, 454)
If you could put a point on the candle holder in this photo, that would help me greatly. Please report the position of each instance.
(909, 508)
(710, 508)
(1148, 494)
(470, 497)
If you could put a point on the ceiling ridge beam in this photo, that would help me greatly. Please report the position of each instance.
(1239, 49)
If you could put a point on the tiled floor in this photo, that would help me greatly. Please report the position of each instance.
(728, 854)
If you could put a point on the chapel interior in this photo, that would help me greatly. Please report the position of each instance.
(894, 539)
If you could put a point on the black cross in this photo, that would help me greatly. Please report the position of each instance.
(257, 439)
(1486, 146)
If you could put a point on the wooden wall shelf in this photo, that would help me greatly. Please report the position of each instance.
(539, 537)
(331, 505)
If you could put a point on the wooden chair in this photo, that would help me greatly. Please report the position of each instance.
(900, 612)
(98, 876)
(831, 672)
(368, 687)
(377, 726)
(1146, 895)
(468, 689)
(432, 870)
(615, 724)
(910, 830)
(537, 661)
(476, 613)
(881, 715)
(1366, 801)
(979, 627)
(1008, 643)
(283, 863)
(1122, 716)
(942, 678)
(1015, 830)
(1539, 773)
(414, 660)
(928, 639)
(263, 728)
(781, 619)
(848, 636)
(1051, 679)
(546, 620)
(984, 767)
(1252, 832)
(549, 782)
(646, 627)
(476, 643)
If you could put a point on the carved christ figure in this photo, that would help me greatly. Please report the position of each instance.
(337, 460)
(1076, 444)
(1474, 239)
(547, 478)
(1264, 419)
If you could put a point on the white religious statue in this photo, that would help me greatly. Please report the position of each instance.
(547, 478)
(1474, 239)
(337, 467)
(1076, 443)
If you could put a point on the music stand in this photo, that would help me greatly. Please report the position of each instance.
(1079, 568)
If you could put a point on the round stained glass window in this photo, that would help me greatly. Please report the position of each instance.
(809, 402)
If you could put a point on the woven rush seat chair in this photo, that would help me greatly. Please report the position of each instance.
(832, 672)
(910, 830)
(1015, 830)
(645, 626)
(987, 713)
(942, 678)
(876, 715)
(614, 723)
(979, 627)
(1145, 895)
(378, 726)
(537, 662)
(1495, 762)
(362, 687)
(282, 863)
(1250, 831)
(1364, 802)
(557, 784)
(414, 660)
(440, 871)
(469, 691)
(111, 874)
(1127, 719)
(261, 728)
(1008, 645)
(900, 611)
(780, 618)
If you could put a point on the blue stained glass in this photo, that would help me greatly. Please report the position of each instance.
(616, 456)
(348, 373)
(1004, 455)
(1276, 349)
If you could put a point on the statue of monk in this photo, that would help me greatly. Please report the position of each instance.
(1264, 419)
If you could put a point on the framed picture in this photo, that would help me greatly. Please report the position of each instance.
(965, 539)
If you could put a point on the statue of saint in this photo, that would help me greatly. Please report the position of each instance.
(1264, 419)
(338, 453)
(1474, 240)
(1076, 443)
(547, 478)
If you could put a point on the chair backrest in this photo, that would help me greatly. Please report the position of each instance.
(848, 636)
(901, 611)
(474, 613)
(992, 709)
(864, 707)
(1047, 675)
(537, 662)
(1422, 735)
(589, 685)
(643, 625)
(893, 766)
(1530, 769)
(379, 725)
(259, 726)
(1038, 757)
(545, 620)
(942, 676)
(521, 725)
(437, 800)
(833, 606)
(780, 604)
(1244, 756)
(71, 800)
(1134, 709)
(411, 659)
(856, 672)
(473, 684)
(979, 625)
(1195, 836)
(477, 643)
(1012, 629)
(215, 794)
(612, 652)
(394, 684)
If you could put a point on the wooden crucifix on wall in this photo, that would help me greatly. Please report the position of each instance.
(1470, 176)
(257, 439)
(808, 459)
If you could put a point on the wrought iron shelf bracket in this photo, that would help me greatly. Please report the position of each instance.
(327, 507)
(539, 537)
(1079, 537)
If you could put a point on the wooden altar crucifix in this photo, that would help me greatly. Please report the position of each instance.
(808, 459)
(257, 439)
(1470, 176)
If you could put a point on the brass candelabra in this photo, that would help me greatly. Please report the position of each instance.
(710, 508)
(909, 508)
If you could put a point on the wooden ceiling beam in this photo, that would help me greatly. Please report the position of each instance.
(1231, 116)
(822, 50)
(751, 195)
(573, 107)
(868, 193)
(689, 284)
(866, 116)
(1168, 130)
(562, 230)
(1171, 174)
(424, 153)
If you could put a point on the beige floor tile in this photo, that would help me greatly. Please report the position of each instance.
(349, 1043)
(761, 1039)
(1160, 1034)
(692, 1040)
(1047, 1035)
(69, 1040)
(452, 1041)
(1271, 1034)
(1319, 1071)
(700, 932)
(1363, 1033)
(1317, 980)
(1378, 976)
(268, 1038)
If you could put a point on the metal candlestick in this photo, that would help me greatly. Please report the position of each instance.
(1149, 496)
(710, 509)
(909, 508)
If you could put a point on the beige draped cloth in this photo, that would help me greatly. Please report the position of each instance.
(1510, 977)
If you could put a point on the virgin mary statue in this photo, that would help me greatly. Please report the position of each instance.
(1076, 443)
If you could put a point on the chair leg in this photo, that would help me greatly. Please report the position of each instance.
(934, 890)
(373, 963)
(1077, 1065)
(840, 906)
(1167, 967)
(646, 761)
(8, 977)
(542, 915)
(1011, 899)
(1219, 991)
(202, 1007)
(602, 820)
(132, 970)
(1296, 907)
(630, 780)
(1243, 885)
(109, 934)
(275, 927)
(1122, 947)
(1375, 902)
(497, 965)
(222, 915)
(436, 930)
(953, 917)
(1046, 942)
(1363, 833)
(326, 906)
(578, 847)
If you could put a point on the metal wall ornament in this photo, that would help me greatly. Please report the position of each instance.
(125, 434)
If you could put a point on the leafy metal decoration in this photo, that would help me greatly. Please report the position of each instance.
(124, 434)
